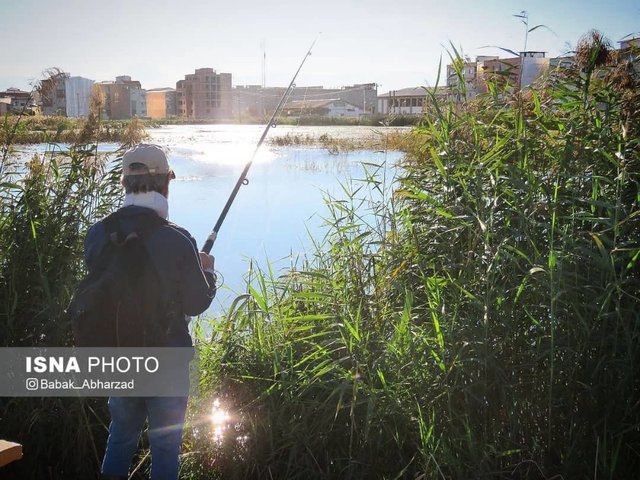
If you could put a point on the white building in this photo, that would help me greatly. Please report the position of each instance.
(406, 101)
(78, 96)
(333, 107)
(533, 64)
(516, 72)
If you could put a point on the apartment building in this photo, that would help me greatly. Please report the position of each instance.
(204, 94)
(117, 105)
(137, 96)
(466, 73)
(124, 98)
(62, 94)
(517, 72)
(161, 103)
(53, 95)
(16, 100)
(78, 96)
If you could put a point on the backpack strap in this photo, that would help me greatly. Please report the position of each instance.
(112, 228)
(150, 222)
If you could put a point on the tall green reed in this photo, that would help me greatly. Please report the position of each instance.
(47, 204)
(520, 218)
(481, 322)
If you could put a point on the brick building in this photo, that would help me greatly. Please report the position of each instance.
(124, 98)
(204, 94)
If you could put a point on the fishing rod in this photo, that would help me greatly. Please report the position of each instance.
(243, 176)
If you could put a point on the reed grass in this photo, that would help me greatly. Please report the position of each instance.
(475, 318)
(380, 140)
(43, 129)
(46, 206)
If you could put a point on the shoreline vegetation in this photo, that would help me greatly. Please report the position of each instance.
(376, 120)
(474, 317)
(17, 129)
(379, 140)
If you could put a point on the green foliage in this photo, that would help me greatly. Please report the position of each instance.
(46, 206)
(526, 212)
(482, 322)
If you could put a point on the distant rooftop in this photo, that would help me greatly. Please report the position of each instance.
(311, 104)
(406, 92)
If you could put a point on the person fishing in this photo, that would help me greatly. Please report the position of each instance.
(185, 287)
(186, 276)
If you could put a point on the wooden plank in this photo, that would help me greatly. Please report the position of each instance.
(9, 452)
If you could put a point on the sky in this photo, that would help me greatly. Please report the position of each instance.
(394, 43)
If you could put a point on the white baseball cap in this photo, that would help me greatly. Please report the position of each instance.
(145, 159)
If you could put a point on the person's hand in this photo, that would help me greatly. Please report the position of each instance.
(207, 261)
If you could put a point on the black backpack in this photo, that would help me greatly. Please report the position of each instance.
(120, 302)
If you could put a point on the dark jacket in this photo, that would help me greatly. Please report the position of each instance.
(186, 288)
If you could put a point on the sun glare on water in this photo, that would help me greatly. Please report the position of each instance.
(225, 426)
(220, 419)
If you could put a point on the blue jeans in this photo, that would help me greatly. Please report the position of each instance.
(166, 419)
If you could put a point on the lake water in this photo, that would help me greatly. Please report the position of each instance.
(271, 216)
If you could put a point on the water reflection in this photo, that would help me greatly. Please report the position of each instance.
(220, 421)
(225, 427)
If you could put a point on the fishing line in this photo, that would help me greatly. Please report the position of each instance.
(208, 244)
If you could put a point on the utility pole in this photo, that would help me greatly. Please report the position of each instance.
(263, 44)
(364, 100)
(264, 75)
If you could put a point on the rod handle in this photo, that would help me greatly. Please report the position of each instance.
(208, 245)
